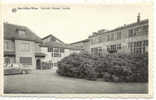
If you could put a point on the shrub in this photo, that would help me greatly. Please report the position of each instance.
(117, 68)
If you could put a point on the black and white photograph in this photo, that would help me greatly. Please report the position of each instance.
(77, 49)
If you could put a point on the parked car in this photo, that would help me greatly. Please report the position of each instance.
(14, 68)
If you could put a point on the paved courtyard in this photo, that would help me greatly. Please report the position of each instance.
(47, 81)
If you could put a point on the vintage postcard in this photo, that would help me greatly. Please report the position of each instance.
(76, 50)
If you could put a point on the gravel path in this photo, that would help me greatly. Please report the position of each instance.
(47, 81)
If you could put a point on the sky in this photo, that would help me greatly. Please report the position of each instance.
(78, 21)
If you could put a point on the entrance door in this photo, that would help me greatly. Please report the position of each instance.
(38, 64)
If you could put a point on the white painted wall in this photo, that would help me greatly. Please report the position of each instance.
(48, 56)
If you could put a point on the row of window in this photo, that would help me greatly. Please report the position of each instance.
(138, 47)
(56, 50)
(133, 32)
(110, 49)
(24, 46)
(138, 50)
(112, 36)
(118, 35)
(138, 44)
(114, 47)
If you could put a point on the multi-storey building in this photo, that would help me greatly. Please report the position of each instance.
(55, 49)
(21, 45)
(129, 39)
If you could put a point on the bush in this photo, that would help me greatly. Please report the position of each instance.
(77, 65)
(117, 68)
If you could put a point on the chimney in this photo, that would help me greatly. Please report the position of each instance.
(138, 18)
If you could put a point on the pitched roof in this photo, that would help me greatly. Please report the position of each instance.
(50, 35)
(86, 40)
(11, 32)
(73, 47)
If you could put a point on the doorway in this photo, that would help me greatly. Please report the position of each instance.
(38, 64)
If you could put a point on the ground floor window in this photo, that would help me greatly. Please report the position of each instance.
(138, 47)
(97, 51)
(113, 48)
(26, 60)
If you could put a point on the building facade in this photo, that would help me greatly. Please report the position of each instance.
(21, 45)
(127, 39)
(56, 50)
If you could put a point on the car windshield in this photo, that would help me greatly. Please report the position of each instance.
(12, 65)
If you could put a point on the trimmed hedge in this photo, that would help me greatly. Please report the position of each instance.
(113, 68)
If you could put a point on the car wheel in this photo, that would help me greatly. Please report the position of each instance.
(23, 72)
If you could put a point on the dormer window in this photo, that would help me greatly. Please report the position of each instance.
(21, 33)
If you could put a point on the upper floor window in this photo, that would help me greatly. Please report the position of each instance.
(50, 49)
(108, 37)
(9, 45)
(145, 29)
(91, 41)
(118, 35)
(96, 40)
(56, 52)
(131, 33)
(6, 45)
(100, 39)
(112, 37)
(136, 31)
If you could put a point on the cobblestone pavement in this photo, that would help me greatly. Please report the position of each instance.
(48, 81)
